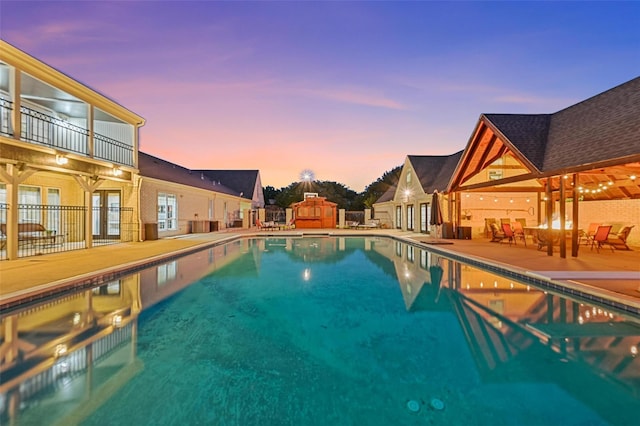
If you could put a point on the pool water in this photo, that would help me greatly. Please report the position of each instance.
(355, 331)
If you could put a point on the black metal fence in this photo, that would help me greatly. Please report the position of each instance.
(354, 216)
(112, 225)
(44, 229)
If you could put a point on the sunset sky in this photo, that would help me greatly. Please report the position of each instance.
(346, 89)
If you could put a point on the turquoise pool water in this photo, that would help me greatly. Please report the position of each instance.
(328, 331)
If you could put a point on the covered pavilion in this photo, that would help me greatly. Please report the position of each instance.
(586, 156)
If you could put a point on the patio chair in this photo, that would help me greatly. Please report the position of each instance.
(488, 226)
(522, 221)
(518, 232)
(619, 240)
(589, 233)
(290, 225)
(509, 235)
(496, 235)
(600, 238)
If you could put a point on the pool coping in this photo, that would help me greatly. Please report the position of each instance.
(566, 285)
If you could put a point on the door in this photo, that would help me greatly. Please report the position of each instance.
(106, 215)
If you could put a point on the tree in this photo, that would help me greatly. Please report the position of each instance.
(270, 194)
(375, 190)
(335, 192)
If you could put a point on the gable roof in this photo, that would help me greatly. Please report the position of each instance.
(388, 195)
(241, 181)
(604, 127)
(598, 138)
(601, 128)
(434, 171)
(527, 133)
(158, 168)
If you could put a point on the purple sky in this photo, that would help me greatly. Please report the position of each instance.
(346, 89)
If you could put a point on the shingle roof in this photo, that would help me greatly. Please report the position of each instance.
(242, 181)
(601, 128)
(435, 171)
(604, 127)
(388, 195)
(526, 132)
(157, 168)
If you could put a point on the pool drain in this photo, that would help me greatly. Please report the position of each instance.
(437, 404)
(413, 406)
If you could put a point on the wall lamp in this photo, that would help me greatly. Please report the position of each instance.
(117, 171)
(61, 160)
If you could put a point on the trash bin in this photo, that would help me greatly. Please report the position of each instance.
(464, 232)
(199, 226)
(150, 231)
(447, 230)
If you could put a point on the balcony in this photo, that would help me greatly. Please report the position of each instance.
(48, 130)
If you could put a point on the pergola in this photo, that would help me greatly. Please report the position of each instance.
(589, 151)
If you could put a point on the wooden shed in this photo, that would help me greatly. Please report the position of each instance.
(315, 212)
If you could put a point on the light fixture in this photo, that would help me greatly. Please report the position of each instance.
(117, 171)
(60, 350)
(61, 160)
(117, 321)
(632, 177)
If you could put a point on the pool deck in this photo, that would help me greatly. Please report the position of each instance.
(611, 274)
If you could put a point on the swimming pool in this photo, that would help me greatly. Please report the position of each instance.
(318, 331)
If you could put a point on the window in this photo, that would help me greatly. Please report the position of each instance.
(424, 218)
(53, 214)
(408, 177)
(167, 272)
(495, 174)
(410, 217)
(167, 212)
(29, 195)
(398, 217)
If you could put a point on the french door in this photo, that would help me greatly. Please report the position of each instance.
(106, 214)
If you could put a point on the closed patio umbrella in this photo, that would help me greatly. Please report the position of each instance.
(436, 212)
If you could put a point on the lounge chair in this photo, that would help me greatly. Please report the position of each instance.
(488, 226)
(496, 234)
(619, 240)
(600, 238)
(289, 225)
(265, 226)
(373, 224)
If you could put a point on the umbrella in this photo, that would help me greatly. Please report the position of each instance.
(436, 212)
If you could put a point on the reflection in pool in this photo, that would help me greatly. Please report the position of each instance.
(320, 331)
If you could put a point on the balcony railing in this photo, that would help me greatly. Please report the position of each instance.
(54, 132)
(112, 150)
(51, 131)
(5, 117)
